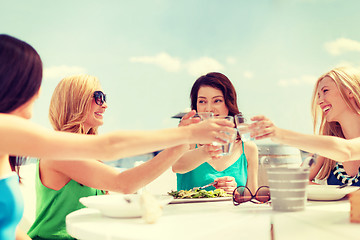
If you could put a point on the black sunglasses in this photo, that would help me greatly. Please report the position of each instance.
(100, 97)
(243, 194)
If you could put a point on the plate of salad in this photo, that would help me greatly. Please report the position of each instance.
(195, 196)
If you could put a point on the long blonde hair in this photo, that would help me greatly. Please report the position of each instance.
(71, 102)
(346, 79)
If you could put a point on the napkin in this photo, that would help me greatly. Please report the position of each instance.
(152, 209)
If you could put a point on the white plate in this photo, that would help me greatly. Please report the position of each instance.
(115, 205)
(328, 192)
(197, 200)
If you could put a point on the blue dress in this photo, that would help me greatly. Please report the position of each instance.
(338, 176)
(11, 206)
(205, 174)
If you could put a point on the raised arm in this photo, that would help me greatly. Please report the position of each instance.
(196, 156)
(101, 176)
(191, 160)
(334, 148)
(21, 137)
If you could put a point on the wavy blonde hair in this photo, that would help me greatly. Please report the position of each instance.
(346, 79)
(71, 103)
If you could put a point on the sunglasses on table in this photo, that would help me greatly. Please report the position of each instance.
(243, 194)
(100, 97)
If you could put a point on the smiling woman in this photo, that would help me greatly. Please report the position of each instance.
(336, 103)
(77, 105)
(69, 108)
(214, 93)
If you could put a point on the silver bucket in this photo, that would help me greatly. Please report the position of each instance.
(276, 155)
(288, 188)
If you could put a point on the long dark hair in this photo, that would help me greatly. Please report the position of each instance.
(20, 77)
(218, 81)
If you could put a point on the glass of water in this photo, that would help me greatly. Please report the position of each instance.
(227, 147)
(243, 127)
(204, 115)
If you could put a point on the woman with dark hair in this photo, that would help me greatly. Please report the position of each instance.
(20, 80)
(14, 95)
(215, 93)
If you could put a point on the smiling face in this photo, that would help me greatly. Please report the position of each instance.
(330, 100)
(73, 107)
(211, 99)
(95, 116)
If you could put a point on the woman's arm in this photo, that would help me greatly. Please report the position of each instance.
(315, 168)
(20, 235)
(21, 137)
(100, 176)
(195, 157)
(334, 148)
(191, 160)
(251, 152)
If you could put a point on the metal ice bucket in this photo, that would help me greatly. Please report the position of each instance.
(276, 155)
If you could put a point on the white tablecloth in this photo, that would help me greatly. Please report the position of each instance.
(221, 220)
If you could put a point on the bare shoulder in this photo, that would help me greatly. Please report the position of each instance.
(251, 152)
(59, 166)
(250, 147)
(51, 166)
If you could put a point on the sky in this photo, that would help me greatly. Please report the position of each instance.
(147, 54)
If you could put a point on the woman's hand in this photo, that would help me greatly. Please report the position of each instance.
(210, 131)
(188, 119)
(227, 183)
(263, 128)
(212, 150)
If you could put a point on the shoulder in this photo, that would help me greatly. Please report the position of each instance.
(251, 152)
(250, 148)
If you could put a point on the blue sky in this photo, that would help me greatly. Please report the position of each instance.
(147, 54)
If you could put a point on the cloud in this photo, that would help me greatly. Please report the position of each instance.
(348, 64)
(304, 80)
(231, 60)
(248, 74)
(162, 60)
(203, 65)
(342, 45)
(59, 72)
(194, 67)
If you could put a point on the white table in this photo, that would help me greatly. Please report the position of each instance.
(221, 220)
(321, 220)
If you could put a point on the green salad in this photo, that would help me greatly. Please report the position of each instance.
(199, 193)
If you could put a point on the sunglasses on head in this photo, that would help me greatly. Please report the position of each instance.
(100, 97)
(243, 194)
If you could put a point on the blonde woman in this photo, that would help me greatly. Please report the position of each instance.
(336, 102)
(20, 81)
(77, 105)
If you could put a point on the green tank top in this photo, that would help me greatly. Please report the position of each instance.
(205, 174)
(52, 207)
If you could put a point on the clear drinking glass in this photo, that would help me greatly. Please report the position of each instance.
(243, 127)
(227, 147)
(204, 115)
